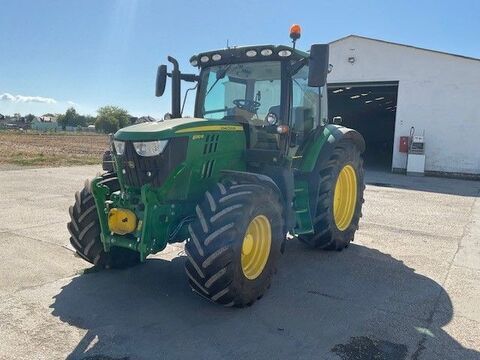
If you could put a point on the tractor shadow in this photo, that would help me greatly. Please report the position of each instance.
(356, 304)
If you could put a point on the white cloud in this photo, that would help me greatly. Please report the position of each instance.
(7, 97)
(72, 103)
(26, 99)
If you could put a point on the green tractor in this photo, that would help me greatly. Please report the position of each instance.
(259, 160)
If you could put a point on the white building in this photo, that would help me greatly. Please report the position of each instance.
(384, 89)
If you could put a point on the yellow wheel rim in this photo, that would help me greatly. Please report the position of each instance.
(345, 197)
(256, 247)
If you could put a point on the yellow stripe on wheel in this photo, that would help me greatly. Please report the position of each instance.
(345, 197)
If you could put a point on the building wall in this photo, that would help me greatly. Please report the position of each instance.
(438, 93)
(44, 126)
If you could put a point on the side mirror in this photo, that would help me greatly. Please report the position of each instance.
(337, 120)
(161, 80)
(318, 65)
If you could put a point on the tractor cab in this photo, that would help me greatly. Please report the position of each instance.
(277, 93)
(264, 88)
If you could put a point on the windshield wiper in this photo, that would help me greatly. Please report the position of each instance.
(220, 75)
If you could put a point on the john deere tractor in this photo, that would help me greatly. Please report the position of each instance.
(260, 159)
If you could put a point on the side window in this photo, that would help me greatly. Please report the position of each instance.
(305, 109)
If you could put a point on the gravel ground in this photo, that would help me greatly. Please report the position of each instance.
(407, 288)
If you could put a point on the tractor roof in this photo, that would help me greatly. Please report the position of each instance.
(247, 54)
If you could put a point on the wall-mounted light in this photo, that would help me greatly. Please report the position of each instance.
(351, 59)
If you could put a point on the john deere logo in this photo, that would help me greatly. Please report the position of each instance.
(131, 164)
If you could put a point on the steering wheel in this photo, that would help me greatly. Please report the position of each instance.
(248, 105)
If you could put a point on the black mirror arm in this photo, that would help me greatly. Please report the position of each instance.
(189, 77)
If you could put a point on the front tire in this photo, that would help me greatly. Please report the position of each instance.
(340, 199)
(235, 243)
(84, 228)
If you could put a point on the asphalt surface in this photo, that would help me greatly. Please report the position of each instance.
(407, 288)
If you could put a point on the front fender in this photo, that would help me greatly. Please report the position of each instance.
(254, 178)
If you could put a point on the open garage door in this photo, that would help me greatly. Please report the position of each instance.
(369, 108)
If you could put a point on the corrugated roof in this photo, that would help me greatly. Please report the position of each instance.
(409, 46)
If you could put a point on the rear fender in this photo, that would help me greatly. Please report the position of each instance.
(317, 152)
(320, 147)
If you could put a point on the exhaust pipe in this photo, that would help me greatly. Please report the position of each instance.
(176, 88)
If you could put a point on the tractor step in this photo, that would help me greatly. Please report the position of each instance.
(302, 209)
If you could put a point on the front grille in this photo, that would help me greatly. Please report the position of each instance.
(141, 170)
(211, 144)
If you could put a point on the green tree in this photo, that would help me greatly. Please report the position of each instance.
(90, 120)
(29, 118)
(81, 121)
(70, 118)
(111, 118)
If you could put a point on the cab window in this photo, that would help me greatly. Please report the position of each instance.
(305, 109)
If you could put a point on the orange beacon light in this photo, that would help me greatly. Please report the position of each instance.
(295, 32)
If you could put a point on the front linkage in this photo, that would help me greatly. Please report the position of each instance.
(117, 211)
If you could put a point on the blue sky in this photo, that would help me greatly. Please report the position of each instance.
(90, 53)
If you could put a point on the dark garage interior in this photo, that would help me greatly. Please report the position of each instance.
(369, 108)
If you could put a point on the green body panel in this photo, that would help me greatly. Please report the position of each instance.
(308, 160)
(220, 145)
(167, 129)
(163, 211)
(305, 165)
(301, 205)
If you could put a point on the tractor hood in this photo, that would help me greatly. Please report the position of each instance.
(167, 129)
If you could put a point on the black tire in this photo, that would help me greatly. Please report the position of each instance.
(326, 234)
(84, 228)
(214, 248)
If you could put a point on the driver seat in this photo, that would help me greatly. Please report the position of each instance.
(261, 139)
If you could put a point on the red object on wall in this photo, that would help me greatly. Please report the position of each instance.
(403, 148)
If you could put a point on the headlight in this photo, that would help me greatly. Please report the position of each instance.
(119, 147)
(150, 148)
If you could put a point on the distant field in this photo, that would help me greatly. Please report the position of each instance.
(55, 149)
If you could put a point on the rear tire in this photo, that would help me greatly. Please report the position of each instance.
(216, 268)
(328, 235)
(84, 228)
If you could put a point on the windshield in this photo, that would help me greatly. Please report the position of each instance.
(245, 92)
